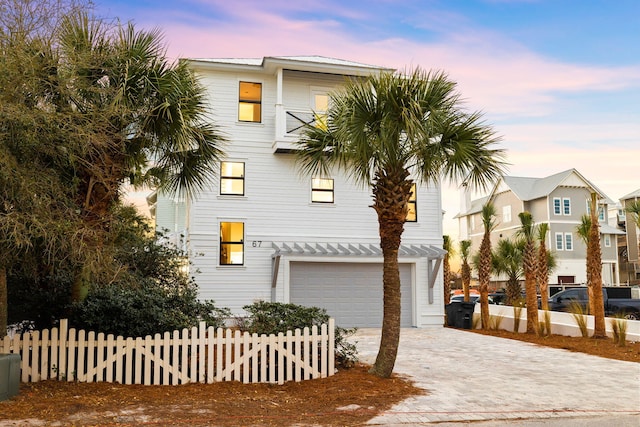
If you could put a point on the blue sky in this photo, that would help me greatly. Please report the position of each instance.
(559, 80)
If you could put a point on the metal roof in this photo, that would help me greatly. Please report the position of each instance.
(632, 195)
(353, 249)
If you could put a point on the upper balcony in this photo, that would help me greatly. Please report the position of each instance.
(289, 127)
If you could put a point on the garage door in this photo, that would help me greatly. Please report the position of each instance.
(351, 292)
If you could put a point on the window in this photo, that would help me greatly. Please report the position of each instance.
(607, 240)
(322, 190)
(568, 241)
(319, 106)
(566, 206)
(232, 178)
(231, 243)
(556, 206)
(559, 242)
(412, 216)
(600, 211)
(250, 102)
(506, 214)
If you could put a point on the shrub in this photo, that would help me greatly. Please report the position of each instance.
(274, 317)
(143, 310)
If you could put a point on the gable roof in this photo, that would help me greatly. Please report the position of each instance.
(527, 189)
(311, 63)
(632, 195)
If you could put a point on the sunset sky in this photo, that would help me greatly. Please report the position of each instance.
(559, 80)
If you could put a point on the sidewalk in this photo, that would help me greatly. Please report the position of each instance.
(473, 377)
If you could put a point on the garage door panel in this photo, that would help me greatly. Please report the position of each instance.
(350, 292)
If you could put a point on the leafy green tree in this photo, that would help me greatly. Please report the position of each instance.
(381, 130)
(89, 106)
(529, 267)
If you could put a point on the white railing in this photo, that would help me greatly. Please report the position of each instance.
(199, 354)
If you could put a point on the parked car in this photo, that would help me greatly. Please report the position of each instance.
(613, 306)
(472, 298)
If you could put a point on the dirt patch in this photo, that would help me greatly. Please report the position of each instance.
(597, 347)
(349, 398)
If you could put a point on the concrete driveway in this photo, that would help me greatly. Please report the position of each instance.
(494, 381)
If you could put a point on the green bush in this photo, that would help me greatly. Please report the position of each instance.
(274, 317)
(144, 310)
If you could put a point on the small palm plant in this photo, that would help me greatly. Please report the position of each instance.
(465, 247)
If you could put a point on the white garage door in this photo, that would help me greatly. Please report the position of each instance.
(351, 292)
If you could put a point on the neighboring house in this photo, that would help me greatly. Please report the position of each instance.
(267, 232)
(559, 200)
(628, 243)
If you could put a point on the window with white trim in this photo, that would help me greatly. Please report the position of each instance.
(568, 241)
(600, 210)
(557, 210)
(250, 102)
(412, 215)
(506, 214)
(566, 206)
(322, 190)
(559, 242)
(232, 178)
(231, 243)
(607, 240)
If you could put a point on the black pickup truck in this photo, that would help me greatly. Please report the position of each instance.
(616, 301)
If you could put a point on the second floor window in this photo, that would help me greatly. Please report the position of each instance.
(412, 216)
(506, 214)
(322, 190)
(607, 240)
(566, 206)
(557, 209)
(232, 178)
(564, 241)
(231, 243)
(250, 102)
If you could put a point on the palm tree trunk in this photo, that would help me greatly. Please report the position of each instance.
(390, 232)
(4, 308)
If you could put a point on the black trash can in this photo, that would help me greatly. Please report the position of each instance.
(460, 314)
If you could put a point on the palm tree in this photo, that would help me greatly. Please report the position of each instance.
(633, 209)
(381, 130)
(484, 262)
(507, 260)
(147, 119)
(594, 272)
(465, 246)
(529, 267)
(447, 245)
(543, 265)
(583, 231)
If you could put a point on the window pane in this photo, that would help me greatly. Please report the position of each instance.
(568, 239)
(567, 206)
(559, 241)
(412, 215)
(250, 101)
(249, 112)
(321, 102)
(232, 178)
(322, 190)
(556, 206)
(231, 243)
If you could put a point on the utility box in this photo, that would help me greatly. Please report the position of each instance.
(9, 375)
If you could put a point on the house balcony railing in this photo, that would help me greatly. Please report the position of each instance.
(289, 127)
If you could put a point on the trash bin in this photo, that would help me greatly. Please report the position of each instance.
(460, 314)
(9, 375)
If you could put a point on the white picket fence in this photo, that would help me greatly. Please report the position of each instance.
(200, 354)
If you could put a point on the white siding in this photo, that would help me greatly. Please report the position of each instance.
(277, 203)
